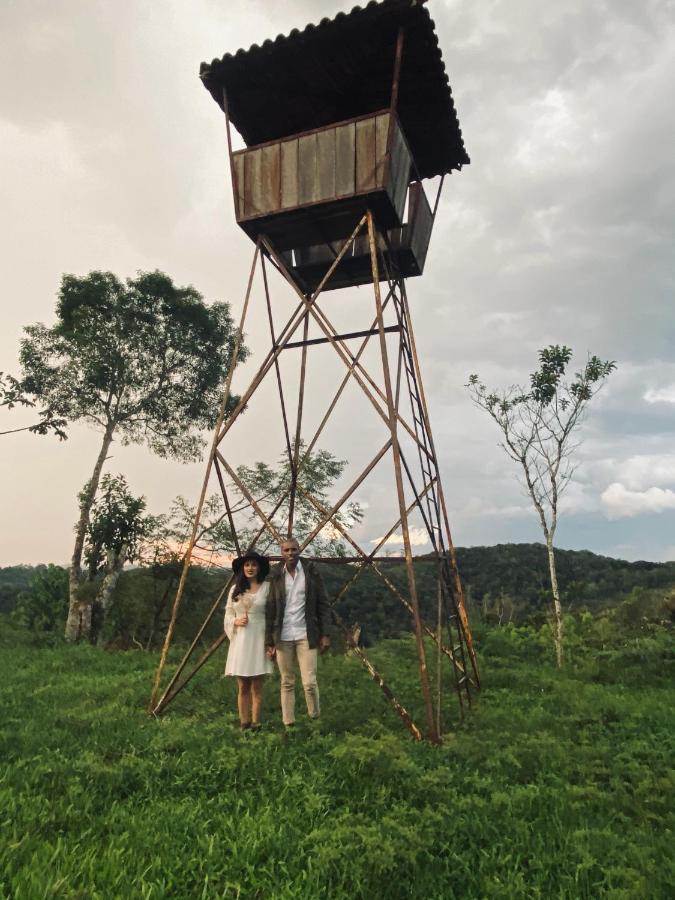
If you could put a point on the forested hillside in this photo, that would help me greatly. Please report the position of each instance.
(509, 583)
(587, 580)
(504, 583)
(13, 580)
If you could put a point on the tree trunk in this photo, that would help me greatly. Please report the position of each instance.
(557, 609)
(78, 624)
(158, 612)
(84, 614)
(115, 565)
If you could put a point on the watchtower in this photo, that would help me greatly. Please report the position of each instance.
(342, 123)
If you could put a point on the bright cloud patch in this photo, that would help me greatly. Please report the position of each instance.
(661, 395)
(619, 502)
(418, 537)
(481, 507)
(645, 471)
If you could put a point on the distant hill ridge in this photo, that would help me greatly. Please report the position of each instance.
(517, 571)
(585, 578)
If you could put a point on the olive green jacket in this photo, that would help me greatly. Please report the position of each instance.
(317, 611)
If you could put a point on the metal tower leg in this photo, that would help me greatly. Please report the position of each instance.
(428, 498)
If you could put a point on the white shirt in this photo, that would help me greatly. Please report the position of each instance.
(294, 627)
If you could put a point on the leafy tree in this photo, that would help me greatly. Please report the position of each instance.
(141, 361)
(538, 426)
(118, 527)
(14, 580)
(11, 395)
(214, 537)
(142, 608)
(42, 608)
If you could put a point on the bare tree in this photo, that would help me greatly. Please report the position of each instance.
(538, 428)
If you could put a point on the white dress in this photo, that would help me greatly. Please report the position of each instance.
(246, 656)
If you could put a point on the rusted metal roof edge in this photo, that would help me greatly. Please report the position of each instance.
(208, 72)
(296, 33)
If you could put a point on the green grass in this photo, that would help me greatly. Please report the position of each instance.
(559, 785)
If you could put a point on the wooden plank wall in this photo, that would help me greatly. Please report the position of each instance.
(320, 166)
(289, 174)
(420, 223)
(399, 176)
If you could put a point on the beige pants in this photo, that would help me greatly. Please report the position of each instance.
(287, 653)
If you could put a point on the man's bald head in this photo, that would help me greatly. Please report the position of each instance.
(290, 553)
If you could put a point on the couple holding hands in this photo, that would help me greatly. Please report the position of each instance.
(281, 614)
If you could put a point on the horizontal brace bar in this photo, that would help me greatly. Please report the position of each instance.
(340, 337)
(337, 560)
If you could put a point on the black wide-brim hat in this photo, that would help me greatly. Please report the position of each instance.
(262, 561)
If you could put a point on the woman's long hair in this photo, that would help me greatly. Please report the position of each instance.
(241, 583)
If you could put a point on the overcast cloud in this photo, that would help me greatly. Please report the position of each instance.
(560, 231)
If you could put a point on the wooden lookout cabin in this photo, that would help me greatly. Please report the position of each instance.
(348, 115)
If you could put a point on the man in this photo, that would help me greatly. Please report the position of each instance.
(296, 627)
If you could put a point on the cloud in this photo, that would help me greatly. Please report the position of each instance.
(643, 471)
(579, 498)
(620, 502)
(661, 395)
(418, 537)
(477, 506)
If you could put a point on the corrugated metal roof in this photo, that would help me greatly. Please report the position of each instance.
(342, 68)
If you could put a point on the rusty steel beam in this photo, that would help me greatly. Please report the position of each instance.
(347, 494)
(282, 402)
(413, 488)
(369, 560)
(415, 390)
(202, 496)
(249, 496)
(439, 679)
(424, 678)
(168, 693)
(402, 712)
(343, 352)
(437, 201)
(342, 337)
(290, 327)
(385, 538)
(348, 358)
(298, 429)
(458, 593)
(343, 384)
(228, 509)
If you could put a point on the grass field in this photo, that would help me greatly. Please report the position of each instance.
(558, 785)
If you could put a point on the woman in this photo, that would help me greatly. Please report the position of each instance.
(245, 627)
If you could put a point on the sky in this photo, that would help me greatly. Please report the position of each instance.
(114, 157)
